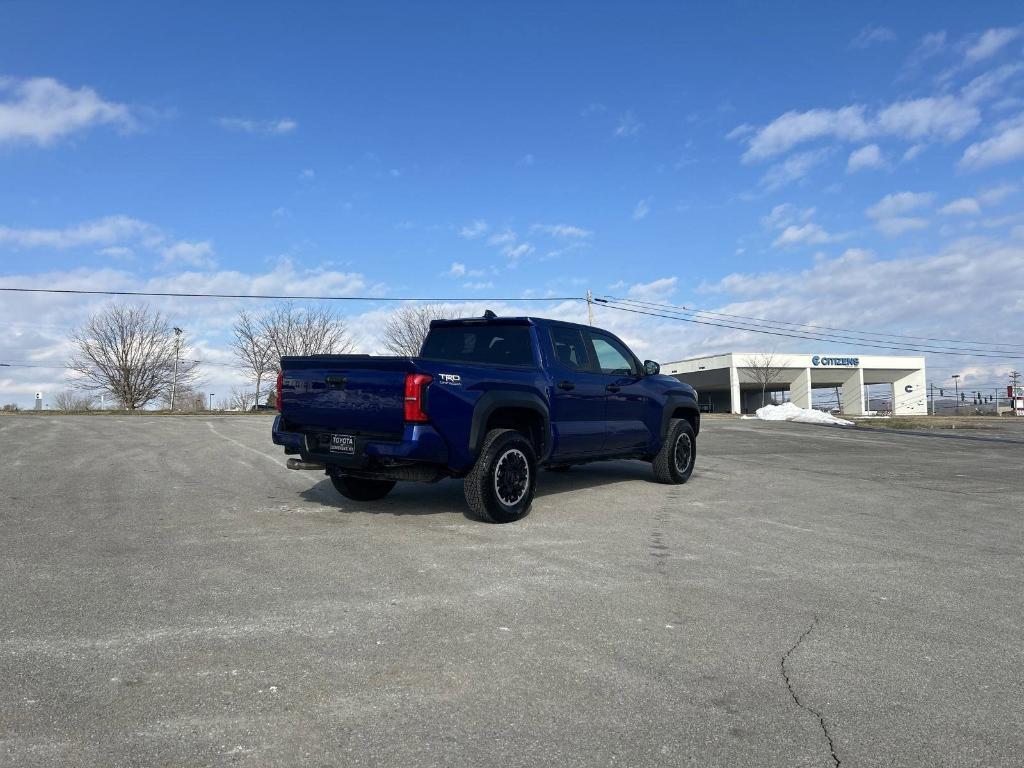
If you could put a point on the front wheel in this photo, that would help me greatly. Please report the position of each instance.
(674, 462)
(499, 488)
(361, 488)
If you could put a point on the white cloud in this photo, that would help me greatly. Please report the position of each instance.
(474, 229)
(740, 131)
(913, 152)
(276, 127)
(865, 157)
(502, 238)
(899, 203)
(478, 286)
(199, 254)
(115, 237)
(995, 195)
(641, 209)
(515, 252)
(899, 225)
(964, 206)
(793, 168)
(628, 125)
(307, 173)
(655, 291)
(119, 252)
(990, 43)
(41, 110)
(871, 35)
(793, 128)
(458, 269)
(1005, 146)
(991, 84)
(562, 231)
(803, 234)
(931, 45)
(783, 215)
(106, 231)
(859, 290)
(889, 212)
(942, 118)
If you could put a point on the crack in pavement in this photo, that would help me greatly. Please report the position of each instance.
(792, 692)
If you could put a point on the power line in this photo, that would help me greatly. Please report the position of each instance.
(811, 328)
(267, 297)
(611, 304)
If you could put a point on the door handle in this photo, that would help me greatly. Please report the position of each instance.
(566, 385)
(613, 387)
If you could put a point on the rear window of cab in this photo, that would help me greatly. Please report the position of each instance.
(480, 344)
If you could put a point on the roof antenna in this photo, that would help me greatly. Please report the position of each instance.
(488, 315)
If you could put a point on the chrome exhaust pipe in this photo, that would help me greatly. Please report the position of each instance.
(300, 464)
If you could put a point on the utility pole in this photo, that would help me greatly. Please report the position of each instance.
(590, 307)
(956, 392)
(174, 381)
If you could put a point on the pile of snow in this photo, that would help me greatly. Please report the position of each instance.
(790, 412)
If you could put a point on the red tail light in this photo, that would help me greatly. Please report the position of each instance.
(415, 396)
(277, 397)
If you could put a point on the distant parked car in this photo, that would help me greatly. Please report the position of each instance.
(263, 407)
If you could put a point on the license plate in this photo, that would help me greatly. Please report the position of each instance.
(343, 444)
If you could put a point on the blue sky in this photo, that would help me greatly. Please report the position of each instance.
(847, 165)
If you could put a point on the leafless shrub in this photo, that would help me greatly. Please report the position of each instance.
(72, 401)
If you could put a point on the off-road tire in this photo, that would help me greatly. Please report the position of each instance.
(361, 488)
(674, 462)
(507, 465)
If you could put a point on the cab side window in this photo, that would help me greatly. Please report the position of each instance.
(612, 357)
(570, 348)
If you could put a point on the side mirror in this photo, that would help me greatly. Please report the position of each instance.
(651, 368)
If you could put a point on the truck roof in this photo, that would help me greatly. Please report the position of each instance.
(498, 320)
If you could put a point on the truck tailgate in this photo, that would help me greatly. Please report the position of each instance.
(351, 394)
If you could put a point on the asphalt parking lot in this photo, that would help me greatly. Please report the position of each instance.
(172, 595)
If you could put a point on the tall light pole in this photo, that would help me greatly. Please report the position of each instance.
(956, 392)
(174, 381)
(211, 401)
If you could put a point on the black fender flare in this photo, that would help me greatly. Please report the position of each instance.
(673, 404)
(491, 401)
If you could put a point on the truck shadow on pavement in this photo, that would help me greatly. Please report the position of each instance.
(446, 496)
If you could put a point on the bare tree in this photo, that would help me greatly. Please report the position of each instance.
(764, 369)
(241, 399)
(253, 351)
(407, 327)
(71, 401)
(290, 330)
(10, 408)
(128, 352)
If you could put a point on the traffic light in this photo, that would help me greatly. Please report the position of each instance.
(941, 393)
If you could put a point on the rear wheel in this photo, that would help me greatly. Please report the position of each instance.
(674, 462)
(361, 488)
(499, 488)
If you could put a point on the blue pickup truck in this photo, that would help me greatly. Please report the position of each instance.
(490, 400)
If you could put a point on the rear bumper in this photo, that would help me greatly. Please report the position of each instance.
(418, 443)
